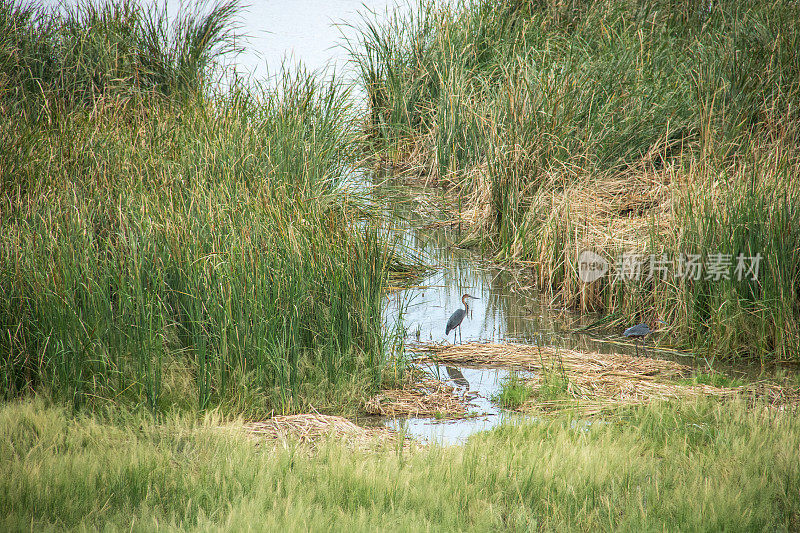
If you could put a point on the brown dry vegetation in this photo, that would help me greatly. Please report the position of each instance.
(311, 429)
(595, 382)
(424, 397)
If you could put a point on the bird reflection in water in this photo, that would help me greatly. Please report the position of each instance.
(457, 377)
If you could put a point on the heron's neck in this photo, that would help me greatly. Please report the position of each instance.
(466, 305)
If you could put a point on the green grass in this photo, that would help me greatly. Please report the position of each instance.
(595, 84)
(647, 127)
(552, 387)
(716, 379)
(514, 392)
(53, 59)
(687, 466)
(181, 247)
(218, 244)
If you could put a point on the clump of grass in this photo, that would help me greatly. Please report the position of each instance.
(514, 392)
(715, 379)
(87, 54)
(219, 241)
(553, 386)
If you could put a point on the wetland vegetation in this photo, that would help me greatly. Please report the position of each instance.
(180, 254)
(649, 127)
(689, 466)
(166, 243)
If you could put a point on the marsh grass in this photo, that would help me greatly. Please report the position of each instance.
(616, 127)
(54, 58)
(553, 387)
(715, 379)
(700, 465)
(184, 251)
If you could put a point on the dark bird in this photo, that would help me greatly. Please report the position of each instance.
(457, 377)
(457, 317)
(639, 331)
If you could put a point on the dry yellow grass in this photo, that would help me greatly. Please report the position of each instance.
(312, 428)
(424, 397)
(533, 358)
(596, 381)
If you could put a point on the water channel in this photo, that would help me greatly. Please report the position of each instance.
(313, 33)
(506, 310)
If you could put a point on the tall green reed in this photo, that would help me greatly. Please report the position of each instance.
(191, 251)
(118, 50)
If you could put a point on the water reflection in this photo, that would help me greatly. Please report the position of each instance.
(481, 385)
(457, 377)
(505, 309)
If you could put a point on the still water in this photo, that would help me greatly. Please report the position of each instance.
(273, 33)
(311, 33)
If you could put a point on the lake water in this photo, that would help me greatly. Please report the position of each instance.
(277, 32)
(307, 31)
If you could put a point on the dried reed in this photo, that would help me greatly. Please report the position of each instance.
(533, 358)
(597, 382)
(311, 428)
(423, 398)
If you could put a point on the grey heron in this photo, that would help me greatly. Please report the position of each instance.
(639, 331)
(457, 317)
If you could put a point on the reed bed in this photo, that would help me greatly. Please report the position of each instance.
(534, 358)
(175, 245)
(55, 57)
(591, 394)
(616, 127)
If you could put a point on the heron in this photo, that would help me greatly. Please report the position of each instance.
(458, 316)
(639, 331)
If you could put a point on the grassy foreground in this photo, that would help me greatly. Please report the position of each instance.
(691, 467)
(651, 128)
